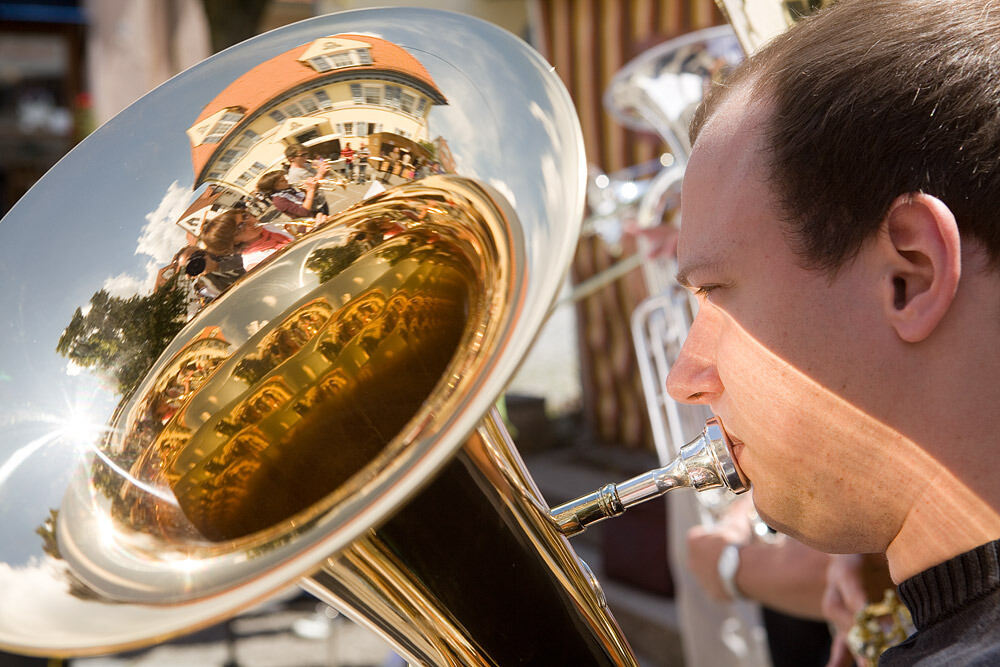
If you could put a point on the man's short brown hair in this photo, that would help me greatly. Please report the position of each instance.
(268, 183)
(873, 99)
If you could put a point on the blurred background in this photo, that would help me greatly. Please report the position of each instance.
(67, 66)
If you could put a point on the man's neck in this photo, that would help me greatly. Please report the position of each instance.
(948, 519)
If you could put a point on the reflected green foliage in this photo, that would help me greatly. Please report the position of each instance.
(326, 263)
(105, 479)
(47, 531)
(123, 337)
(430, 148)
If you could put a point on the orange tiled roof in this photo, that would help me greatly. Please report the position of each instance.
(272, 77)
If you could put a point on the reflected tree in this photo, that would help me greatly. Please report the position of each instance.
(430, 148)
(124, 337)
(326, 263)
(47, 531)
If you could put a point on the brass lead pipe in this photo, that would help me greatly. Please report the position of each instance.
(704, 463)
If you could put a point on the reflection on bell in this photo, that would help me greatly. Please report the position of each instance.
(318, 400)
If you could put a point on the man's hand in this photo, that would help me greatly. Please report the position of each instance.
(705, 545)
(852, 581)
(845, 592)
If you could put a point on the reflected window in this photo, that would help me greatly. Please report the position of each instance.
(342, 60)
(247, 139)
(321, 64)
(277, 115)
(373, 95)
(365, 56)
(222, 126)
(392, 94)
(356, 93)
(292, 109)
(348, 128)
(323, 99)
(309, 104)
(247, 175)
(421, 106)
(229, 156)
(406, 102)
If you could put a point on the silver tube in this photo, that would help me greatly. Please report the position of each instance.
(704, 463)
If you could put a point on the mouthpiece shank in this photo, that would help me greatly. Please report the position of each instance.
(704, 463)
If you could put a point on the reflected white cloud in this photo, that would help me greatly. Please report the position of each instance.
(125, 285)
(159, 239)
(505, 190)
(36, 604)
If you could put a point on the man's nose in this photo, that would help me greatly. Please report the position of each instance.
(694, 376)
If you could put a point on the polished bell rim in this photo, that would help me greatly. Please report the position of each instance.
(72, 233)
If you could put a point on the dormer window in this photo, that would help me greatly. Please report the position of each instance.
(215, 127)
(222, 126)
(332, 53)
(353, 58)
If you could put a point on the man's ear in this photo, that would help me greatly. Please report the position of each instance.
(924, 264)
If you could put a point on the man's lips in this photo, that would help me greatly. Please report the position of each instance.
(736, 447)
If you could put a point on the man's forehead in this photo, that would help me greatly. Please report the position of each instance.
(724, 183)
(737, 122)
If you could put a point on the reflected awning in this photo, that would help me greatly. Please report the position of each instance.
(377, 140)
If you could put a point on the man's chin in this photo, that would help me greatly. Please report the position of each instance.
(826, 542)
(790, 530)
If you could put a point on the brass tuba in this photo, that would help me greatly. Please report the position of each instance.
(184, 436)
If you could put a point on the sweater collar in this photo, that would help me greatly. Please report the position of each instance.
(945, 588)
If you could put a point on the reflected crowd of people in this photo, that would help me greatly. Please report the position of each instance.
(287, 203)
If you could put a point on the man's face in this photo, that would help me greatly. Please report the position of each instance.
(787, 356)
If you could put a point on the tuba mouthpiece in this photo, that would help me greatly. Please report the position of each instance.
(704, 463)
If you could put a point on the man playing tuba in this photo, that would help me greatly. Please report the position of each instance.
(840, 230)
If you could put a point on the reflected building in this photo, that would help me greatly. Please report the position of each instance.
(325, 94)
(151, 435)
(444, 155)
(317, 394)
